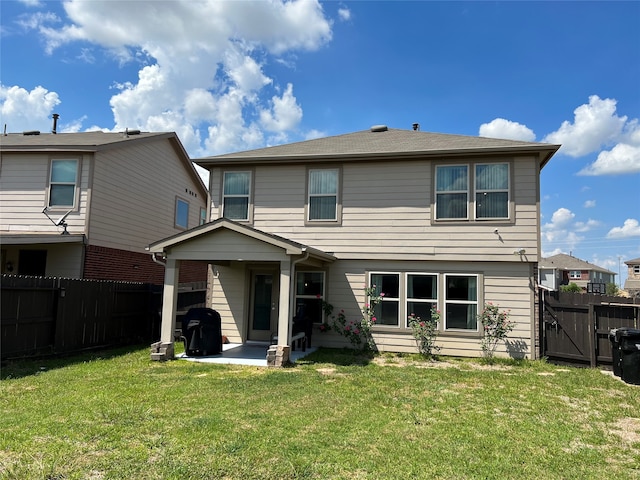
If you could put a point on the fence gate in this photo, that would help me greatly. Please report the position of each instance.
(575, 327)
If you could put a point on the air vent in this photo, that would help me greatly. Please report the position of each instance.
(379, 128)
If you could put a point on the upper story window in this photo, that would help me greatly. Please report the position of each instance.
(203, 216)
(491, 185)
(492, 190)
(182, 213)
(452, 192)
(236, 193)
(323, 195)
(636, 269)
(62, 183)
(575, 274)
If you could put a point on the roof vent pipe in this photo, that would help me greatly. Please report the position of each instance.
(379, 128)
(55, 123)
(416, 126)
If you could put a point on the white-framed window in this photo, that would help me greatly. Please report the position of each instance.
(310, 293)
(236, 195)
(491, 191)
(636, 269)
(62, 183)
(203, 216)
(455, 295)
(322, 201)
(460, 302)
(421, 294)
(387, 312)
(452, 192)
(576, 274)
(182, 213)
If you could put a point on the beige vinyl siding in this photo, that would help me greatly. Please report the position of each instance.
(134, 193)
(386, 213)
(507, 285)
(229, 298)
(24, 181)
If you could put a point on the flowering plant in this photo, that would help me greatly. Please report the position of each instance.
(425, 332)
(496, 326)
(358, 332)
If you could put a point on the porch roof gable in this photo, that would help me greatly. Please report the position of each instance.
(289, 246)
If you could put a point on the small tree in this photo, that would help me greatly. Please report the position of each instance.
(496, 326)
(571, 288)
(612, 289)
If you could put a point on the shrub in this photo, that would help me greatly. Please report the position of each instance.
(425, 332)
(496, 326)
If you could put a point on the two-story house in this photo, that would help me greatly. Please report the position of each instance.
(632, 283)
(429, 219)
(85, 205)
(569, 269)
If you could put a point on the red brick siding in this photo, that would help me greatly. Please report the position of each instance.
(102, 263)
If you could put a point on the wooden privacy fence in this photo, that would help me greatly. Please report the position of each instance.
(58, 315)
(575, 326)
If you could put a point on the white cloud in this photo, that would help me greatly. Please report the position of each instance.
(621, 159)
(506, 129)
(631, 228)
(589, 204)
(562, 229)
(24, 110)
(344, 14)
(594, 126)
(202, 63)
(284, 114)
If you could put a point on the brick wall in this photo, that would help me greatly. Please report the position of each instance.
(102, 263)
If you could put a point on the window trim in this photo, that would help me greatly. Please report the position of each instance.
(441, 303)
(307, 210)
(435, 301)
(249, 196)
(471, 164)
(466, 192)
(575, 274)
(398, 299)
(175, 213)
(310, 297)
(445, 302)
(636, 269)
(76, 184)
(476, 191)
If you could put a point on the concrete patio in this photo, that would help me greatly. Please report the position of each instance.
(253, 353)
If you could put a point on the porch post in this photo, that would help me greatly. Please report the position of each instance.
(163, 350)
(284, 322)
(278, 355)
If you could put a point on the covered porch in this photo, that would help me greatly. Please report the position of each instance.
(250, 284)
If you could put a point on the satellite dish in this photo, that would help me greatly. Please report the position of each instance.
(61, 220)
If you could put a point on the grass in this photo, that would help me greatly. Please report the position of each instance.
(335, 415)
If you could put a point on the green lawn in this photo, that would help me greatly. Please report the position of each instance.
(335, 415)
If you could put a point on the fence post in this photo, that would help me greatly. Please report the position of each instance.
(591, 332)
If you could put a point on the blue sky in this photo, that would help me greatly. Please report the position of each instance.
(236, 75)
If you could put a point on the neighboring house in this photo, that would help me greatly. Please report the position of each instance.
(430, 219)
(568, 269)
(85, 205)
(632, 283)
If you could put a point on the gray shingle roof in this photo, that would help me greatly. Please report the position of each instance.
(633, 261)
(392, 142)
(82, 141)
(567, 262)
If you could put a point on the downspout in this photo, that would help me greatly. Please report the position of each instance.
(155, 260)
